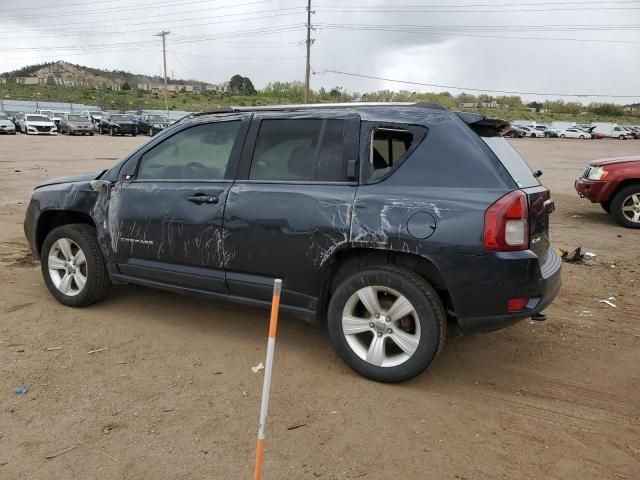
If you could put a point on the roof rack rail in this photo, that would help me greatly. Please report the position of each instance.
(208, 112)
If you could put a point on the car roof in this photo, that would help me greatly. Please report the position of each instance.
(353, 106)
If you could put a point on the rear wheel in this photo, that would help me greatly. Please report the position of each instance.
(562, 135)
(72, 265)
(625, 206)
(386, 323)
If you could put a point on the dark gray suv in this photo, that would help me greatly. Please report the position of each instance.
(383, 220)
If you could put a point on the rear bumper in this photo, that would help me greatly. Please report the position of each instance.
(590, 189)
(540, 287)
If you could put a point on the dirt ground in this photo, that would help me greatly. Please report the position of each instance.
(172, 394)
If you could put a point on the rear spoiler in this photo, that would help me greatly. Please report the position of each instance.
(485, 126)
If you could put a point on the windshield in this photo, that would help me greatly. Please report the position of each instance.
(120, 118)
(157, 118)
(77, 118)
(37, 118)
(96, 113)
(3, 117)
(512, 161)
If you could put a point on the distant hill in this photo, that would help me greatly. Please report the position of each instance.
(79, 74)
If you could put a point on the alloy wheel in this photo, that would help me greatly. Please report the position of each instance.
(381, 326)
(631, 207)
(67, 267)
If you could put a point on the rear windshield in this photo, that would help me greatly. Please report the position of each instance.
(512, 161)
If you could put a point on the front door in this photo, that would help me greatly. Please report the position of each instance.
(289, 211)
(165, 222)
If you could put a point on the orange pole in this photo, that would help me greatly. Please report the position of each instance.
(266, 386)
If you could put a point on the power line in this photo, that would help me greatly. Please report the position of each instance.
(200, 38)
(453, 87)
(92, 32)
(141, 6)
(172, 15)
(383, 28)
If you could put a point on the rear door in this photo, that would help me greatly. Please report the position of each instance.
(165, 217)
(539, 197)
(290, 208)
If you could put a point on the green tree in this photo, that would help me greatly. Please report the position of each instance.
(126, 86)
(241, 85)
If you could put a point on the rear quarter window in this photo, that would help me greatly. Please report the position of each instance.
(512, 161)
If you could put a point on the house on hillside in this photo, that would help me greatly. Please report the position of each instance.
(224, 87)
(30, 81)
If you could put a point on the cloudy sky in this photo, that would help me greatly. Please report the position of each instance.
(561, 47)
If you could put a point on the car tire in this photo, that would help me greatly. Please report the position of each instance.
(625, 206)
(91, 134)
(562, 136)
(74, 248)
(606, 206)
(422, 330)
(622, 137)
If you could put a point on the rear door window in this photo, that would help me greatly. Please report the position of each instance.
(309, 150)
(512, 161)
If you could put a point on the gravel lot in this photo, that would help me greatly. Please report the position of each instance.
(173, 395)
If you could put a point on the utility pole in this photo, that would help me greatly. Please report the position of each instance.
(308, 71)
(164, 34)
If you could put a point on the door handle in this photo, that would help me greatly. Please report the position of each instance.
(200, 198)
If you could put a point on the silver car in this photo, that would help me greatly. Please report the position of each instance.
(6, 125)
(72, 124)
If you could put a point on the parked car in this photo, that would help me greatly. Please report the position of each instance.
(18, 121)
(117, 124)
(364, 237)
(547, 131)
(152, 124)
(574, 133)
(46, 113)
(73, 124)
(614, 183)
(6, 125)
(38, 125)
(631, 132)
(94, 116)
(532, 132)
(515, 132)
(56, 117)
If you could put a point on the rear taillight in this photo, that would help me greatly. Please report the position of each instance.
(506, 223)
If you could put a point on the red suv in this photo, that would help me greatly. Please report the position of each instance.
(614, 183)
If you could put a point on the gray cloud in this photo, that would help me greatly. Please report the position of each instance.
(469, 57)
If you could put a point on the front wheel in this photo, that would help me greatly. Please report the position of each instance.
(386, 323)
(581, 137)
(622, 137)
(562, 136)
(72, 265)
(625, 206)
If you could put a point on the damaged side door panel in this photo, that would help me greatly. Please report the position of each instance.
(162, 220)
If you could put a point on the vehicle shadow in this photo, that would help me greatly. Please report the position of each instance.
(306, 348)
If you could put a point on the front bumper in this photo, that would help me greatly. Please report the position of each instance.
(541, 287)
(36, 132)
(10, 130)
(590, 189)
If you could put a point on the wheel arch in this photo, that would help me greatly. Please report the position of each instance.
(347, 261)
(50, 219)
(623, 184)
